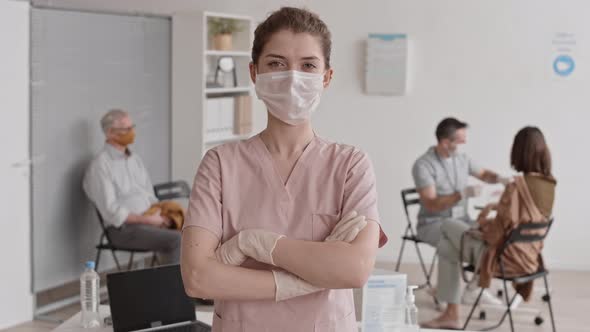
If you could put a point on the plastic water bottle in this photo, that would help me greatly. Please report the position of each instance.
(90, 296)
(411, 309)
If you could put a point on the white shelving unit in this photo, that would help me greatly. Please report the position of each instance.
(239, 89)
(228, 53)
(193, 64)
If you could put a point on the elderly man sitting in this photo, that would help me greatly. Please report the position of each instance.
(118, 184)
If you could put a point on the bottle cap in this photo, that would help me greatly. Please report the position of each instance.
(410, 298)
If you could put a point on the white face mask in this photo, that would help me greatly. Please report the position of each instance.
(457, 150)
(291, 96)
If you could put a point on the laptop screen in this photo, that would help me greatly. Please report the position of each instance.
(148, 298)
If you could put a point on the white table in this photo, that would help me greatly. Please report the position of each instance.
(73, 324)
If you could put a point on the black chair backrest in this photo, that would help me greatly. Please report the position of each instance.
(102, 226)
(410, 197)
(528, 233)
(172, 190)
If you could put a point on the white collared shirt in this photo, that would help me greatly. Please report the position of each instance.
(118, 184)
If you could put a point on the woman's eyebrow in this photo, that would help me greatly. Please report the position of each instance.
(271, 55)
(313, 57)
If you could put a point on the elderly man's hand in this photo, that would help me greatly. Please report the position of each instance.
(158, 220)
(167, 222)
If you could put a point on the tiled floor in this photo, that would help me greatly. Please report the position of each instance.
(570, 299)
(570, 290)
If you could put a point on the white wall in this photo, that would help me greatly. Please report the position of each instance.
(15, 286)
(486, 62)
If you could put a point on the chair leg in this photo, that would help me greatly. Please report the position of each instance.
(116, 260)
(154, 259)
(429, 277)
(97, 260)
(399, 259)
(423, 265)
(549, 302)
(503, 316)
(472, 309)
(401, 251)
(432, 264)
(509, 302)
(130, 264)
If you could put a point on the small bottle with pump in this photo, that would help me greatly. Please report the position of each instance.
(411, 309)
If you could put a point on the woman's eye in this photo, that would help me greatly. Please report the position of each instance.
(309, 66)
(275, 64)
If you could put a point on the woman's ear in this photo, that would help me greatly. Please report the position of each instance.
(328, 77)
(252, 67)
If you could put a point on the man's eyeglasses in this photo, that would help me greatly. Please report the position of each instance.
(124, 129)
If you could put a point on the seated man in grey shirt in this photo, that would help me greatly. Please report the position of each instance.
(441, 179)
(118, 184)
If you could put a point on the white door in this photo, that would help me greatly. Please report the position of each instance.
(15, 264)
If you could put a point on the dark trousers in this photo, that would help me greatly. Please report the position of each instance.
(165, 242)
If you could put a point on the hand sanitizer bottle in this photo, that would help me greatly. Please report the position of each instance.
(411, 309)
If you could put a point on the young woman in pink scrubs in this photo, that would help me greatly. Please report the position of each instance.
(282, 226)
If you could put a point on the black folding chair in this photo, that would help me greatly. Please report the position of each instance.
(105, 243)
(172, 190)
(410, 197)
(521, 234)
(163, 191)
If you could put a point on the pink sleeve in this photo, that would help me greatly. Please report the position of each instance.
(360, 191)
(204, 208)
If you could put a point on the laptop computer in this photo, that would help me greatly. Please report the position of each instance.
(152, 299)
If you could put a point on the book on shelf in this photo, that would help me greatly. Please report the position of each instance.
(220, 118)
(243, 115)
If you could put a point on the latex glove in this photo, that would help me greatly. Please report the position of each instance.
(505, 180)
(491, 207)
(258, 244)
(471, 191)
(230, 253)
(289, 286)
(485, 212)
(348, 228)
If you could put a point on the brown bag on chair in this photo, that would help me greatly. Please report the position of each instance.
(169, 209)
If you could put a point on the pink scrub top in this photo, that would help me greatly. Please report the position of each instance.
(237, 187)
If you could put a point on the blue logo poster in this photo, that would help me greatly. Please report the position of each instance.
(564, 65)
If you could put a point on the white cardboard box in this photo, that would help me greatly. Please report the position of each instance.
(383, 301)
